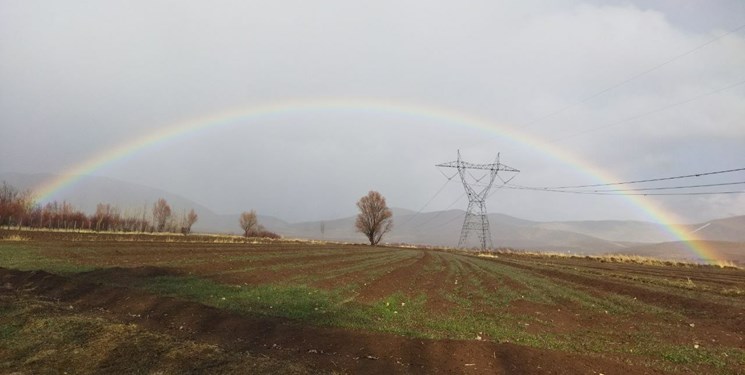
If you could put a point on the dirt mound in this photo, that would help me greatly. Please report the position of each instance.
(320, 347)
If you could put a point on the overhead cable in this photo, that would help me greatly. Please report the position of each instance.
(650, 112)
(635, 76)
(669, 187)
(647, 180)
(622, 193)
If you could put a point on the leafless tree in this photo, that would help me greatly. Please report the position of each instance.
(249, 223)
(15, 205)
(189, 220)
(161, 214)
(374, 219)
(104, 217)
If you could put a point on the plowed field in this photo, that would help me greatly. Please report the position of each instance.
(293, 307)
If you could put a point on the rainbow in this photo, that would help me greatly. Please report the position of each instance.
(70, 176)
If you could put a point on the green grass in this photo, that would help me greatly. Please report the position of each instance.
(25, 256)
(297, 302)
(690, 358)
(42, 337)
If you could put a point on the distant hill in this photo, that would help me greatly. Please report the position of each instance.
(440, 228)
(443, 229)
(731, 229)
(615, 230)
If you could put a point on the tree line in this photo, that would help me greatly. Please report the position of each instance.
(19, 209)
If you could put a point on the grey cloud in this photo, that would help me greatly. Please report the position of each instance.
(79, 78)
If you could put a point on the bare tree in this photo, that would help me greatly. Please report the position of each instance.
(161, 214)
(15, 205)
(189, 220)
(249, 223)
(374, 219)
(103, 217)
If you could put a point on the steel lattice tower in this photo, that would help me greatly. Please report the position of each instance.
(476, 216)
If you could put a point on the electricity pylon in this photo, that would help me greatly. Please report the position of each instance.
(476, 217)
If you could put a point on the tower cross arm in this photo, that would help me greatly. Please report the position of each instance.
(467, 165)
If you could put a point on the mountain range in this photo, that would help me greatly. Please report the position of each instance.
(441, 228)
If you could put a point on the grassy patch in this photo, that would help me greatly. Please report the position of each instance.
(24, 256)
(394, 314)
(40, 337)
(694, 358)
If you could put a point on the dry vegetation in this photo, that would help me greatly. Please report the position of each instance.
(612, 258)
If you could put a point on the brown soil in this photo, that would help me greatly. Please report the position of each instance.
(428, 275)
(565, 318)
(345, 278)
(279, 270)
(322, 348)
(726, 317)
(398, 279)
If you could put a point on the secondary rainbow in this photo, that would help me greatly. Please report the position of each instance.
(46, 191)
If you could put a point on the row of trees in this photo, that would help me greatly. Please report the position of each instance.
(18, 208)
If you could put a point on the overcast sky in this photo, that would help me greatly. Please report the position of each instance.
(80, 77)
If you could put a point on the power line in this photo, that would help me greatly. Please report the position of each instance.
(693, 193)
(635, 76)
(459, 216)
(431, 199)
(611, 192)
(632, 78)
(441, 211)
(670, 187)
(647, 113)
(621, 193)
(647, 180)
